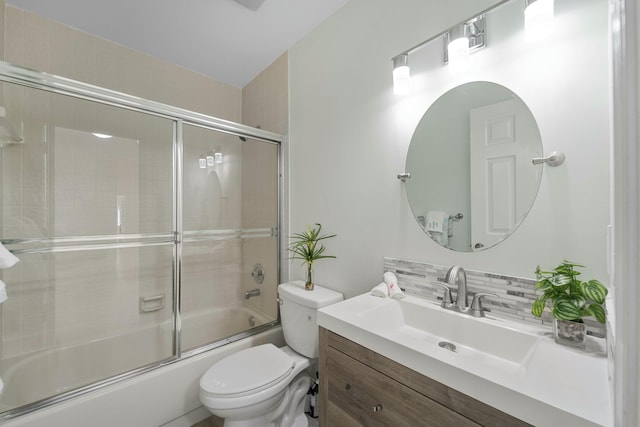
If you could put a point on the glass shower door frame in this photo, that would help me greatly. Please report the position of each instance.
(59, 85)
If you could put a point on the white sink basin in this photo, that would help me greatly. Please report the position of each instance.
(422, 320)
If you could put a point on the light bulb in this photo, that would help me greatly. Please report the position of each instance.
(401, 74)
(401, 78)
(458, 53)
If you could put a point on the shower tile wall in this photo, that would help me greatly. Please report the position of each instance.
(212, 199)
(264, 104)
(63, 181)
(46, 45)
(89, 176)
(27, 322)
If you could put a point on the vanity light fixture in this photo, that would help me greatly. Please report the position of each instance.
(217, 158)
(471, 35)
(457, 52)
(209, 159)
(401, 74)
(461, 40)
(538, 19)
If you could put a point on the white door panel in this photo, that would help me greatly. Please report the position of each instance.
(500, 170)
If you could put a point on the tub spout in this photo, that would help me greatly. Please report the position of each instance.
(252, 293)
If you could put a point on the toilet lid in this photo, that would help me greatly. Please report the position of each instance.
(247, 371)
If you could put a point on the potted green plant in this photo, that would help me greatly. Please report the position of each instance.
(305, 246)
(570, 299)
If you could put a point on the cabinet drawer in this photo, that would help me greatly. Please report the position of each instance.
(360, 395)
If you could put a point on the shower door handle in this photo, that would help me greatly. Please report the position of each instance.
(119, 213)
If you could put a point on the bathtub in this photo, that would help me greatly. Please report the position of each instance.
(167, 395)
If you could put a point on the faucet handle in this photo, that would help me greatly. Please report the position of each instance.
(476, 304)
(446, 298)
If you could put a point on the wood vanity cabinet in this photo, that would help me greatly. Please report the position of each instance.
(359, 387)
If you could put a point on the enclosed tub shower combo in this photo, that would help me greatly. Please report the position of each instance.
(146, 234)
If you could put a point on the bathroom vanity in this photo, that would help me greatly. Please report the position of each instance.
(408, 362)
(361, 387)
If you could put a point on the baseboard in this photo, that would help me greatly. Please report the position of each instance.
(190, 418)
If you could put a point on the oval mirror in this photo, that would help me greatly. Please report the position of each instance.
(470, 159)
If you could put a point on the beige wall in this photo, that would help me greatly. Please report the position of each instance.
(265, 99)
(2, 8)
(264, 104)
(36, 42)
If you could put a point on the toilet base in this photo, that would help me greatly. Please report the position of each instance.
(289, 412)
(301, 421)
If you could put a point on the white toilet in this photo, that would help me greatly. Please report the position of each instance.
(266, 385)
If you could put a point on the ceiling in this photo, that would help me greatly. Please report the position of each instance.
(219, 38)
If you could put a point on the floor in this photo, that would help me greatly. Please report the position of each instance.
(214, 421)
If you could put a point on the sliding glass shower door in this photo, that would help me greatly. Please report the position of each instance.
(145, 233)
(230, 242)
(87, 206)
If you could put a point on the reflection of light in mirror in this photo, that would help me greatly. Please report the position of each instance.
(202, 161)
(102, 135)
(210, 160)
(217, 158)
(458, 51)
(538, 19)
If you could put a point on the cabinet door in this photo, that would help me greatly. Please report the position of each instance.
(361, 396)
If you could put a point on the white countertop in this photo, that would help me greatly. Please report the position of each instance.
(557, 386)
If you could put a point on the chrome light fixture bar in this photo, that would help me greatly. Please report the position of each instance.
(462, 40)
(477, 37)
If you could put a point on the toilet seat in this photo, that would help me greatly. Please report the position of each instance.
(247, 372)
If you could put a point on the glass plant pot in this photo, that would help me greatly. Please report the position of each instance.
(567, 332)
(308, 285)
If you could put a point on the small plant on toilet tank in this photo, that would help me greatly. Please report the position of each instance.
(306, 247)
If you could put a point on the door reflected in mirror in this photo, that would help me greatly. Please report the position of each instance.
(472, 179)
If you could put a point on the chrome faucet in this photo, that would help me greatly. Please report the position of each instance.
(252, 293)
(458, 277)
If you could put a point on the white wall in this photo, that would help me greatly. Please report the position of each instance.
(349, 134)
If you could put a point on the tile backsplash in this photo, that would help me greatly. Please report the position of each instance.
(515, 295)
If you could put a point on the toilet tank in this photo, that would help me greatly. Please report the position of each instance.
(298, 310)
